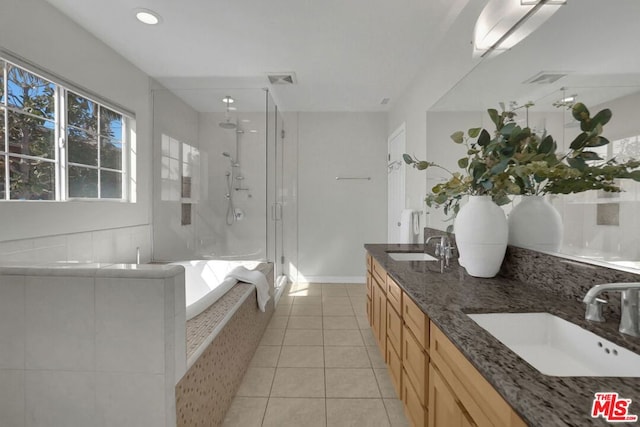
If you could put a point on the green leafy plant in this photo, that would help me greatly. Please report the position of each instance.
(516, 161)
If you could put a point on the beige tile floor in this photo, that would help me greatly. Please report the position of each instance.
(317, 365)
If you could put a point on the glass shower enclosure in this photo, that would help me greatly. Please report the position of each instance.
(219, 176)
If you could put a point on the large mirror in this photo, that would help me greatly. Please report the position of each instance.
(587, 50)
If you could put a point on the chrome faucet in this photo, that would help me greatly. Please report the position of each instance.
(629, 302)
(444, 250)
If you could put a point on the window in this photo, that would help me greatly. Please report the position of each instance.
(35, 113)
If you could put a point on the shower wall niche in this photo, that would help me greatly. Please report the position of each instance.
(226, 161)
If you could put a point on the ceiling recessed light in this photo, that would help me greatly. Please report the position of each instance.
(253, 131)
(147, 16)
(228, 100)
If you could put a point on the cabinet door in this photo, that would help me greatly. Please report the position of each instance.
(375, 309)
(394, 328)
(444, 409)
(394, 363)
(379, 317)
(415, 362)
(382, 321)
(369, 296)
(414, 410)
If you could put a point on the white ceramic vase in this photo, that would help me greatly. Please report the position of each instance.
(535, 223)
(481, 235)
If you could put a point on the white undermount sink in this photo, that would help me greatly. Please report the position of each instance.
(411, 256)
(559, 348)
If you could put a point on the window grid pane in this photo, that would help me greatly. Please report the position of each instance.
(110, 185)
(2, 178)
(82, 113)
(2, 82)
(30, 93)
(2, 130)
(83, 182)
(31, 136)
(82, 147)
(31, 179)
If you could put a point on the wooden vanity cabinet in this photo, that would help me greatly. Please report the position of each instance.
(459, 391)
(438, 386)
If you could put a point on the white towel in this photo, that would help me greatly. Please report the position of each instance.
(257, 278)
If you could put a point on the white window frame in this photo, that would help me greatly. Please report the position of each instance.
(60, 152)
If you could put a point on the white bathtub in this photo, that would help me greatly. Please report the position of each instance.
(206, 281)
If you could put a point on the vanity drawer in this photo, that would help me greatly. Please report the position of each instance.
(414, 410)
(394, 294)
(379, 274)
(415, 362)
(394, 328)
(394, 363)
(416, 321)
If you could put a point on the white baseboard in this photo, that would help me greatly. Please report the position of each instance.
(333, 279)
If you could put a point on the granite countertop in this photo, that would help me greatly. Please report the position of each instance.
(539, 399)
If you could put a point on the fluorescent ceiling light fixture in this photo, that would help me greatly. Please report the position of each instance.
(228, 100)
(231, 108)
(147, 16)
(569, 98)
(504, 23)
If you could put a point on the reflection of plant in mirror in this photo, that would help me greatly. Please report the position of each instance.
(538, 170)
(517, 161)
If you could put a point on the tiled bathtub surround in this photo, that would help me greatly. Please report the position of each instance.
(90, 345)
(205, 393)
(235, 325)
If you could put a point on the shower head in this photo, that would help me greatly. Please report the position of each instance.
(233, 162)
(227, 124)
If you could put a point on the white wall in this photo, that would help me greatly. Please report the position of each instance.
(336, 218)
(39, 33)
(446, 67)
(175, 131)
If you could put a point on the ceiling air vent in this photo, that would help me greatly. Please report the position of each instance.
(282, 78)
(545, 78)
